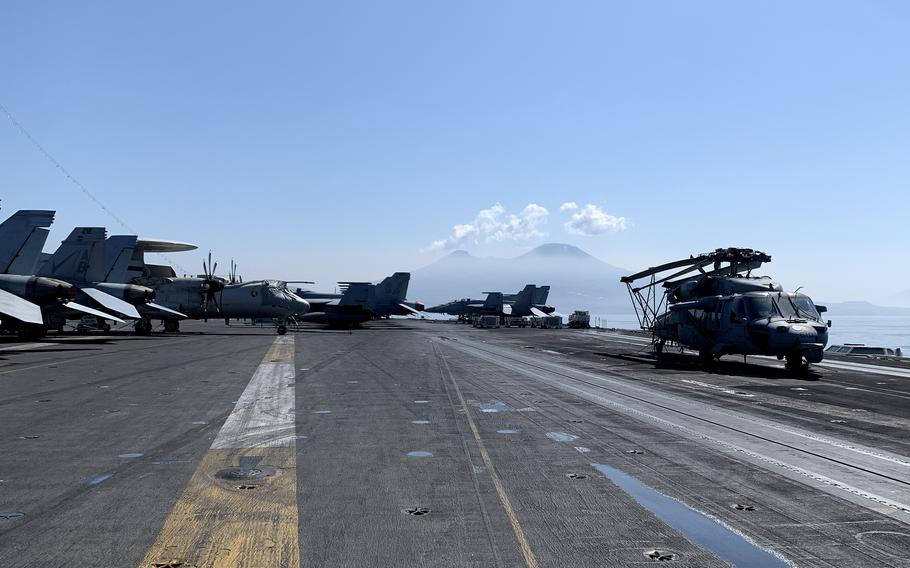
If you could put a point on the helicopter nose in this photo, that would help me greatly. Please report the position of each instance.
(300, 306)
(794, 334)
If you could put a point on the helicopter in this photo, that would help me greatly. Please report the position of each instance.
(723, 310)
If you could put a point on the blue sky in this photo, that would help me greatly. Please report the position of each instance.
(339, 140)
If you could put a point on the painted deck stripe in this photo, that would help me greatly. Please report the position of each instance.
(523, 544)
(27, 346)
(866, 368)
(221, 523)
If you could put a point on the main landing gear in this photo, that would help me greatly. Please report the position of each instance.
(143, 327)
(171, 325)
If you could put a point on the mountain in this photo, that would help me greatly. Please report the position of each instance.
(857, 308)
(901, 299)
(577, 280)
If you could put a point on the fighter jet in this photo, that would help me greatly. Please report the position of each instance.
(360, 302)
(21, 238)
(80, 260)
(530, 301)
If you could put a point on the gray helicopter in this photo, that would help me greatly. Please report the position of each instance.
(725, 310)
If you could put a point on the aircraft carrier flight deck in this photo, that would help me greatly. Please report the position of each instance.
(415, 443)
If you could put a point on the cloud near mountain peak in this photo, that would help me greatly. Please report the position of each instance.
(591, 220)
(495, 224)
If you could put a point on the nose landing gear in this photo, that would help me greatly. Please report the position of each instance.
(794, 362)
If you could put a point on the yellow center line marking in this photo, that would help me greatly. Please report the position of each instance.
(240, 506)
(529, 558)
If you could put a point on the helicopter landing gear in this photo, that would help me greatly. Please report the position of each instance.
(794, 362)
(171, 325)
(706, 357)
(143, 327)
(659, 347)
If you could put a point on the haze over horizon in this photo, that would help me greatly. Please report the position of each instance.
(344, 142)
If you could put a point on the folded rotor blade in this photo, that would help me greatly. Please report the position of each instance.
(92, 311)
(112, 303)
(15, 307)
(166, 310)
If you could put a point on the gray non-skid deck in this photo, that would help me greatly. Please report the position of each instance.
(492, 434)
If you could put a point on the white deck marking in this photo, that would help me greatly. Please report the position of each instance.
(866, 368)
(264, 414)
(27, 346)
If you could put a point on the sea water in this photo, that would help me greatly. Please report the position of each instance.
(880, 331)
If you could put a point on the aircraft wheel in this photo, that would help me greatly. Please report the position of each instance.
(794, 361)
(143, 327)
(106, 328)
(659, 347)
(282, 329)
(706, 357)
(171, 326)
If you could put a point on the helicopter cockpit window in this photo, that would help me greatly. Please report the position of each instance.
(762, 307)
(805, 306)
(786, 307)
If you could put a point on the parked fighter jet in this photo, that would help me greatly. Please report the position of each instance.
(727, 310)
(80, 260)
(21, 238)
(530, 301)
(361, 301)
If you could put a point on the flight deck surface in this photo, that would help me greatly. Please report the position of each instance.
(410, 443)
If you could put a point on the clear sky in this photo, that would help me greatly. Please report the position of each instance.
(341, 140)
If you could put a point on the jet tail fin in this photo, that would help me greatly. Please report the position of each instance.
(22, 237)
(393, 289)
(493, 303)
(541, 293)
(80, 258)
(358, 294)
(118, 255)
(523, 299)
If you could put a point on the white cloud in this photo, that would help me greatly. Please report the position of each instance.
(568, 206)
(592, 220)
(494, 224)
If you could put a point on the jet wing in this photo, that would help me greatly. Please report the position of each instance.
(539, 313)
(15, 307)
(91, 311)
(408, 308)
(161, 308)
(112, 303)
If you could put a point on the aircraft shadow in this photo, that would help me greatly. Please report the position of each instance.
(684, 362)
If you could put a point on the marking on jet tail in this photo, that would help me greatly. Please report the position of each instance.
(219, 522)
